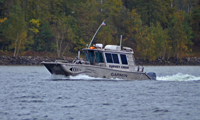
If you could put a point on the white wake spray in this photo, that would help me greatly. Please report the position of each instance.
(86, 77)
(79, 77)
(178, 77)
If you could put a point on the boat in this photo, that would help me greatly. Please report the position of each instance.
(109, 62)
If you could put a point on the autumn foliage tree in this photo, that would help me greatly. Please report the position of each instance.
(177, 34)
(16, 31)
(155, 29)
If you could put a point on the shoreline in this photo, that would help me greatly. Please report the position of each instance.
(188, 61)
(36, 60)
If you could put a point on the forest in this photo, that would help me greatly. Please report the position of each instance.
(152, 28)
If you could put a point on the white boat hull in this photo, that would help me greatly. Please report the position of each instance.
(69, 69)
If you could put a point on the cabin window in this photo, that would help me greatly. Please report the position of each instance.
(108, 58)
(112, 58)
(115, 58)
(99, 57)
(89, 56)
(86, 54)
(123, 59)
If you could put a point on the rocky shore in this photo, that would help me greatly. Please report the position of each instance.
(24, 60)
(30, 60)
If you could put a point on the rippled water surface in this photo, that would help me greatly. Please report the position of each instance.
(31, 92)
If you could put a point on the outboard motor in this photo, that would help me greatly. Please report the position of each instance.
(152, 75)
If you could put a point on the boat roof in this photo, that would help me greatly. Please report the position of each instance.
(111, 48)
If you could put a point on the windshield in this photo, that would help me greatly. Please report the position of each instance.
(99, 57)
(96, 57)
(89, 56)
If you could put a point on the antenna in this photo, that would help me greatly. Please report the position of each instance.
(96, 33)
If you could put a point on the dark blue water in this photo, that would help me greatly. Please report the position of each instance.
(30, 92)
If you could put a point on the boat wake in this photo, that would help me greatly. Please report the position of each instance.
(178, 77)
(78, 77)
(83, 77)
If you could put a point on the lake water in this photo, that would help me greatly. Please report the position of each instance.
(32, 93)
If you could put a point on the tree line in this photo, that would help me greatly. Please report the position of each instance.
(153, 28)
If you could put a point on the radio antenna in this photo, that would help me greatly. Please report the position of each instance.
(96, 33)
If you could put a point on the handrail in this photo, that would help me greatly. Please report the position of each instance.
(140, 67)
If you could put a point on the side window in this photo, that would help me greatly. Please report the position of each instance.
(115, 58)
(108, 58)
(123, 59)
(112, 58)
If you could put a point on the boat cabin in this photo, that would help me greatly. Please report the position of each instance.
(111, 56)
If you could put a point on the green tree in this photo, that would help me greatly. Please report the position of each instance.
(179, 39)
(152, 11)
(63, 36)
(4, 14)
(111, 10)
(131, 26)
(84, 22)
(195, 20)
(16, 31)
(160, 36)
(42, 41)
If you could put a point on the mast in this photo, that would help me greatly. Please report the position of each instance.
(120, 41)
